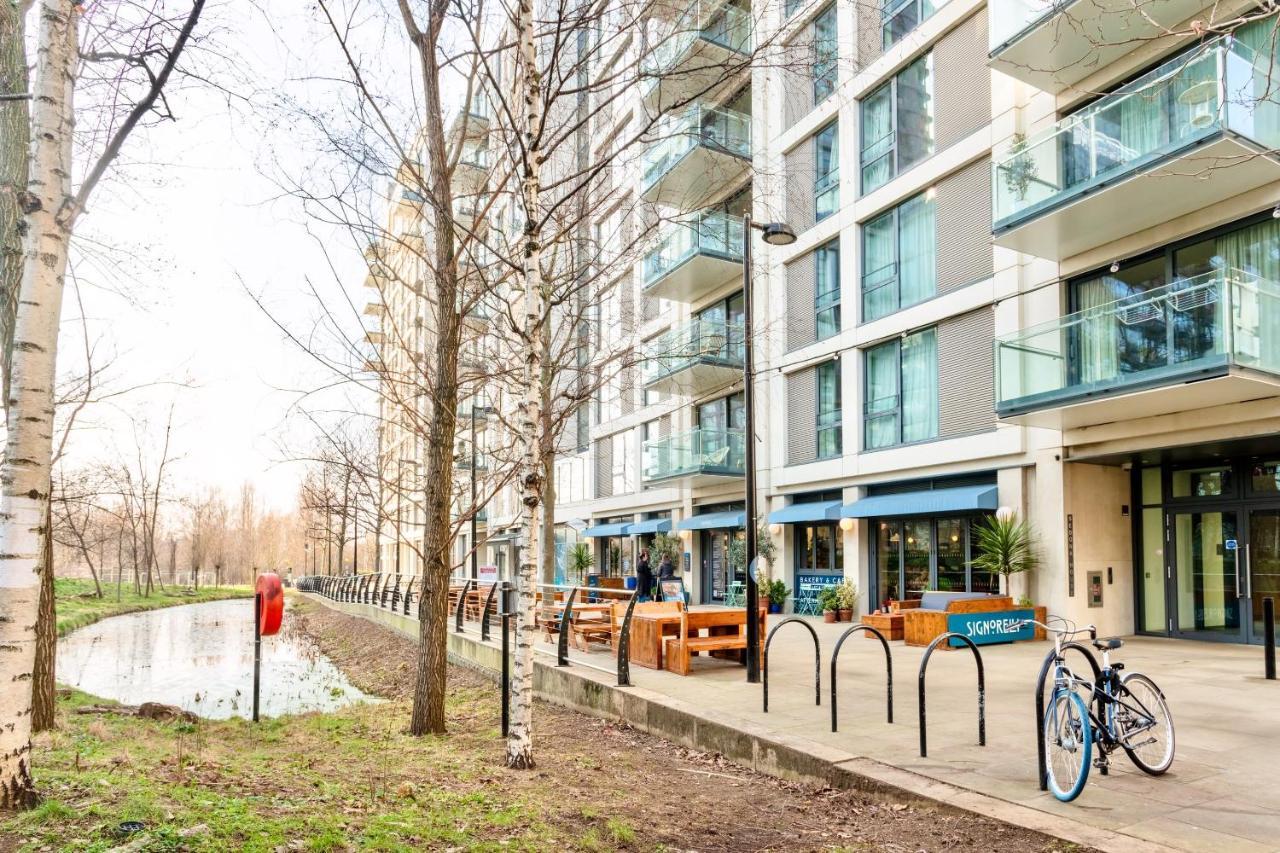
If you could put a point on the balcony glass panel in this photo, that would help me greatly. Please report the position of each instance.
(699, 451)
(826, 194)
(723, 129)
(1160, 337)
(730, 28)
(1223, 86)
(712, 232)
(703, 341)
(1009, 18)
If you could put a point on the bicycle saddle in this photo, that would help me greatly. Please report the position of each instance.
(1109, 644)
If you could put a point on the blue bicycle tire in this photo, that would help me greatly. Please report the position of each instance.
(1066, 795)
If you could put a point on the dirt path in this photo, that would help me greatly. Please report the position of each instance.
(662, 793)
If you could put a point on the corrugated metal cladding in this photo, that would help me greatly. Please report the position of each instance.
(802, 416)
(799, 176)
(664, 426)
(966, 389)
(604, 467)
(870, 39)
(963, 226)
(961, 81)
(797, 77)
(627, 388)
(802, 284)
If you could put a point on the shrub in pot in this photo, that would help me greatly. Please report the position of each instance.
(827, 600)
(846, 599)
(778, 593)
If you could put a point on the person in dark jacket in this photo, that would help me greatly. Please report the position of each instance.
(666, 569)
(644, 577)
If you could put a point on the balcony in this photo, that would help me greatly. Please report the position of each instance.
(1200, 342)
(702, 456)
(1141, 156)
(1054, 44)
(462, 462)
(697, 254)
(707, 51)
(701, 152)
(694, 358)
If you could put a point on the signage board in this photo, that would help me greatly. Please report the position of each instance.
(487, 573)
(809, 584)
(1232, 545)
(671, 590)
(992, 627)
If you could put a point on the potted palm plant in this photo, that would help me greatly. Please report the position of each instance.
(580, 561)
(1004, 545)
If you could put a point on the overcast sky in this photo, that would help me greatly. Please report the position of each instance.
(198, 223)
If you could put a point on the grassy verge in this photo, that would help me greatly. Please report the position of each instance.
(79, 606)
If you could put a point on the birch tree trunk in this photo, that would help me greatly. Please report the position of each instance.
(44, 691)
(531, 480)
(25, 471)
(15, 150)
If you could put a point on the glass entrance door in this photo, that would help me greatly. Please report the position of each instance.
(1208, 562)
(1262, 563)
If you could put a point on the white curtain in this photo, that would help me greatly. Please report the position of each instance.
(920, 386)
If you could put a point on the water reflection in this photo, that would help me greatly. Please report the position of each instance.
(200, 658)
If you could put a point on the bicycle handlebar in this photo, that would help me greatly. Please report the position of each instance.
(1066, 632)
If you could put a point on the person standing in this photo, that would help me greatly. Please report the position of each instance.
(644, 577)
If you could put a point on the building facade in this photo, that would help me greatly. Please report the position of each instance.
(1036, 268)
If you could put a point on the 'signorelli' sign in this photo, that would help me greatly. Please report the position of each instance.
(984, 628)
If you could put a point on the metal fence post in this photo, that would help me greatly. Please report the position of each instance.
(562, 646)
(624, 644)
(484, 617)
(462, 603)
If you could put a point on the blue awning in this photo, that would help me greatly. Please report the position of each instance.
(602, 530)
(810, 511)
(713, 521)
(927, 502)
(649, 525)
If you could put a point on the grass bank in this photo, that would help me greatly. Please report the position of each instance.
(78, 606)
(353, 780)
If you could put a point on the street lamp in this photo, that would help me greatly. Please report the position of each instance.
(775, 234)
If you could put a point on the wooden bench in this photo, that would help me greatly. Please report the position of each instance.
(726, 632)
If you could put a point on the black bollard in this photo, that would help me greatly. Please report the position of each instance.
(257, 649)
(1269, 635)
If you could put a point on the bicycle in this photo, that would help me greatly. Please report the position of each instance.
(1126, 711)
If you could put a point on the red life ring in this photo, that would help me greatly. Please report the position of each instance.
(272, 592)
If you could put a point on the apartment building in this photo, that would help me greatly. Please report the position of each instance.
(1038, 247)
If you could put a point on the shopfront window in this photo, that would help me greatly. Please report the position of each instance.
(915, 555)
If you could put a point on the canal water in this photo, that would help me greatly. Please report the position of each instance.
(200, 658)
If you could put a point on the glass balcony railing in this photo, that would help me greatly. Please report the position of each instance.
(720, 129)
(720, 452)
(1161, 337)
(1010, 18)
(477, 158)
(729, 28)
(712, 232)
(1223, 86)
(702, 341)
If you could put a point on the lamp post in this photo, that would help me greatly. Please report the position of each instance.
(775, 234)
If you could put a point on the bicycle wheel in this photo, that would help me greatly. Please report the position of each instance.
(1144, 724)
(1068, 745)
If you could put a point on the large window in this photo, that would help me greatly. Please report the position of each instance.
(826, 183)
(829, 418)
(899, 17)
(902, 391)
(826, 51)
(918, 554)
(899, 250)
(827, 293)
(897, 124)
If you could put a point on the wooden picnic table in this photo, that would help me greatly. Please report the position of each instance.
(648, 632)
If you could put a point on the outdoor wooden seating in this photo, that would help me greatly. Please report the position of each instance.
(650, 622)
(925, 619)
(726, 637)
(595, 626)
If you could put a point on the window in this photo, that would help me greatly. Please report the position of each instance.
(897, 124)
(917, 554)
(829, 421)
(819, 547)
(827, 293)
(899, 17)
(902, 391)
(826, 51)
(826, 184)
(898, 257)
